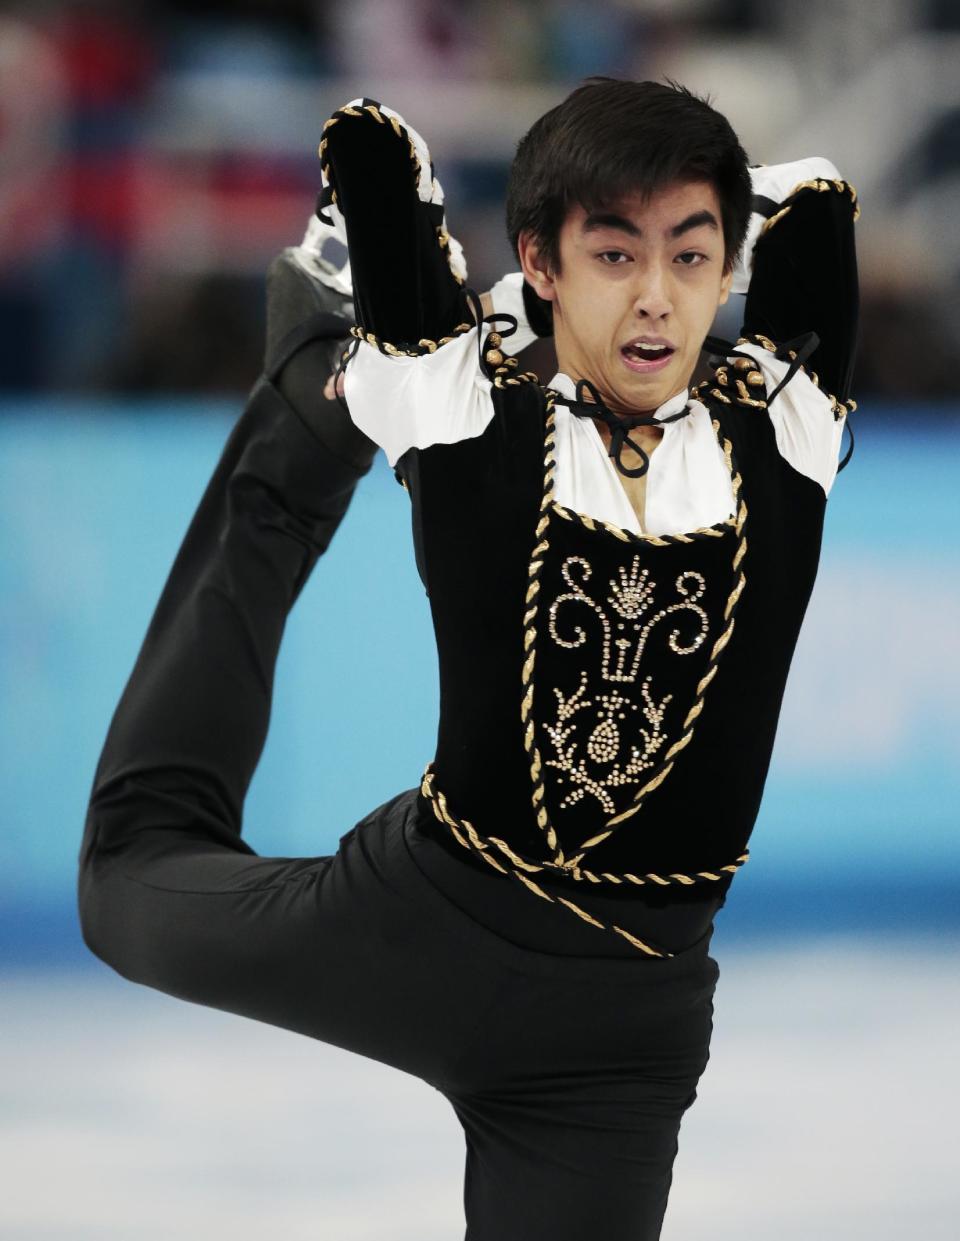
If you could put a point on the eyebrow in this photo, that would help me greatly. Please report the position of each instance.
(609, 219)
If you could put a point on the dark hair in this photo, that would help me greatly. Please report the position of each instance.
(611, 138)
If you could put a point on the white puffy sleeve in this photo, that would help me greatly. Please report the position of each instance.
(807, 430)
(412, 402)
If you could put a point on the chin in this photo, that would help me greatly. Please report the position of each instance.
(649, 384)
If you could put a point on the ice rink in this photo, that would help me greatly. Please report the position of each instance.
(828, 1111)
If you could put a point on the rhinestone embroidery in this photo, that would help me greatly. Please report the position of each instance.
(607, 739)
(612, 724)
(630, 599)
(630, 603)
(628, 596)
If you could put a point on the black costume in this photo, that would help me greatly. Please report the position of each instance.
(608, 701)
(569, 1055)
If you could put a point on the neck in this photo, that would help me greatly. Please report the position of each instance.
(612, 403)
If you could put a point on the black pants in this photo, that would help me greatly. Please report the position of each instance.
(569, 1069)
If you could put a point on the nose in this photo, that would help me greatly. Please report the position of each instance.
(653, 299)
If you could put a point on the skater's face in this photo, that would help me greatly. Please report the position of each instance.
(636, 269)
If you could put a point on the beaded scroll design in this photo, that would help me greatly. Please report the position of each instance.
(495, 851)
(591, 765)
(631, 598)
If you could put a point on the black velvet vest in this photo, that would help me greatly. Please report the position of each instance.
(608, 701)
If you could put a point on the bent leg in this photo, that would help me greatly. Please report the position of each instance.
(572, 1096)
(166, 881)
(592, 1160)
(170, 895)
(210, 925)
(334, 948)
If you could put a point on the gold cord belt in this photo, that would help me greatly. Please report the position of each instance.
(514, 864)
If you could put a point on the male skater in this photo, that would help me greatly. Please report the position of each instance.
(617, 564)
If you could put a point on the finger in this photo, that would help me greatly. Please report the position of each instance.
(333, 386)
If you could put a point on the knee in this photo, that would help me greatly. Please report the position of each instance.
(110, 914)
(116, 873)
(96, 910)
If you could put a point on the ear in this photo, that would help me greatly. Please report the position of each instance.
(536, 269)
(725, 284)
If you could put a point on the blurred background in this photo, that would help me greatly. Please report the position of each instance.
(153, 158)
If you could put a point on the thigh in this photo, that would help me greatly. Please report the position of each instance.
(572, 1103)
(592, 1161)
(331, 947)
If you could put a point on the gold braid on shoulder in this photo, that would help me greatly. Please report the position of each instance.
(840, 408)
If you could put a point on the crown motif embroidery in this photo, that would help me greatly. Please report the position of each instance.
(630, 598)
(606, 738)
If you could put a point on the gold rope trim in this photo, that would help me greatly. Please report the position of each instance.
(548, 506)
(500, 367)
(424, 346)
(819, 185)
(840, 408)
(737, 390)
(716, 531)
(503, 379)
(530, 630)
(630, 536)
(470, 839)
(513, 863)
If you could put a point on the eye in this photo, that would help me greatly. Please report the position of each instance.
(612, 257)
(692, 254)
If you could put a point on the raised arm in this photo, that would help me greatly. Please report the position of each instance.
(799, 265)
(378, 178)
(414, 377)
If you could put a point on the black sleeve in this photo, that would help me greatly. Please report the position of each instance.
(405, 289)
(805, 279)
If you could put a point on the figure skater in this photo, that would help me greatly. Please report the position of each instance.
(618, 564)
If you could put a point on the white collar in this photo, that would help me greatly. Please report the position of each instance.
(563, 384)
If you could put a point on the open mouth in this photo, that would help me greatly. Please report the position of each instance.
(642, 358)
